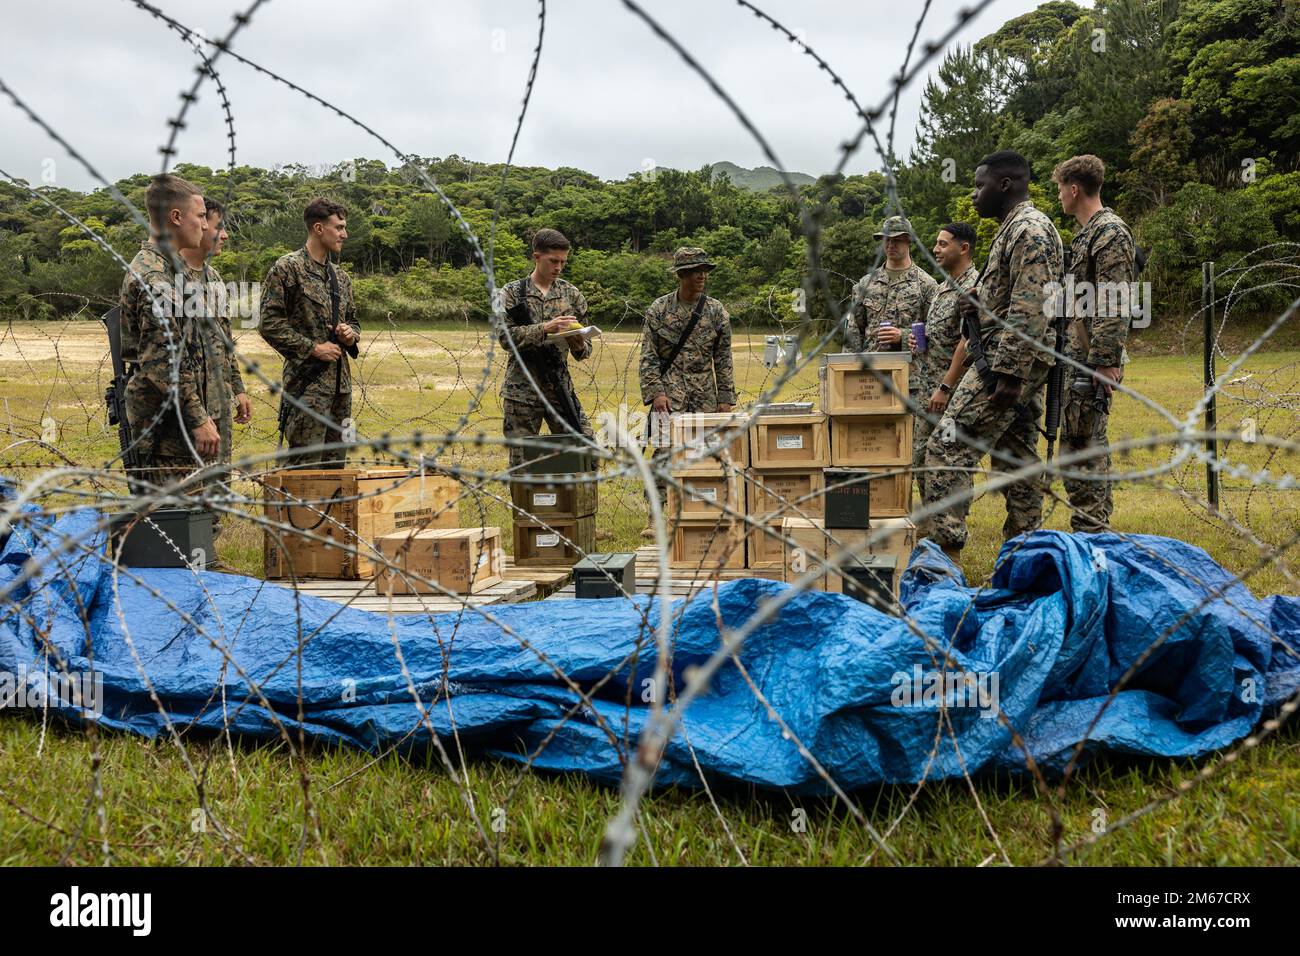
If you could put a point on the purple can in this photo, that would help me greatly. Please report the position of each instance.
(918, 332)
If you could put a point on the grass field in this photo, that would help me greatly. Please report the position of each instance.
(405, 810)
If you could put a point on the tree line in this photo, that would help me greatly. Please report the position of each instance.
(1191, 104)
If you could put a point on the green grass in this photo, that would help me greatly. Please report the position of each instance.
(404, 810)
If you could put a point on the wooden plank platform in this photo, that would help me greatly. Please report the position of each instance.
(361, 594)
(547, 579)
(683, 582)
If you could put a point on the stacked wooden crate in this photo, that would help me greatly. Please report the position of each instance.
(554, 511)
(326, 523)
(709, 457)
(867, 489)
(789, 447)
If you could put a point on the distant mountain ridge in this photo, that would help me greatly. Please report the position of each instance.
(760, 178)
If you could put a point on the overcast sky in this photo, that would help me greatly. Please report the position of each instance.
(443, 77)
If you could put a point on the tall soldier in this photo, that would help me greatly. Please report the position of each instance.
(953, 248)
(200, 272)
(999, 399)
(163, 350)
(308, 316)
(885, 303)
(538, 305)
(1102, 259)
(686, 348)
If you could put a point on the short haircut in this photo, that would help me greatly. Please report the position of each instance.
(962, 232)
(1086, 171)
(320, 209)
(211, 205)
(545, 240)
(1006, 162)
(165, 193)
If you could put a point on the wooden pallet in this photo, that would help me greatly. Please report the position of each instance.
(546, 579)
(681, 582)
(361, 594)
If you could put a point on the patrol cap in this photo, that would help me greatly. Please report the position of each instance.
(896, 226)
(691, 257)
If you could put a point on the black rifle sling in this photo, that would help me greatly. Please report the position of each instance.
(666, 364)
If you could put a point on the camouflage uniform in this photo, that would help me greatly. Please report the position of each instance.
(522, 410)
(296, 316)
(1024, 258)
(216, 348)
(1097, 341)
(701, 376)
(942, 333)
(163, 450)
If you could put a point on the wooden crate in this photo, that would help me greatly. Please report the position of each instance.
(463, 560)
(764, 552)
(789, 441)
(538, 544)
(803, 550)
(811, 543)
(351, 508)
(707, 497)
(854, 383)
(765, 489)
(563, 499)
(877, 440)
(707, 545)
(691, 434)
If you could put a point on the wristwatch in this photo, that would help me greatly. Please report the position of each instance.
(945, 388)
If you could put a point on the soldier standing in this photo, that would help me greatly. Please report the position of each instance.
(686, 348)
(163, 351)
(538, 305)
(308, 316)
(201, 274)
(953, 248)
(1102, 259)
(998, 402)
(885, 303)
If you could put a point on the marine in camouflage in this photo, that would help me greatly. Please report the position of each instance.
(1097, 340)
(296, 315)
(522, 409)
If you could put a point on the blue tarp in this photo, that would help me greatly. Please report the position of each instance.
(1066, 617)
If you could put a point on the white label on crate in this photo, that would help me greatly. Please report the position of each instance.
(705, 494)
(544, 499)
(788, 442)
(548, 540)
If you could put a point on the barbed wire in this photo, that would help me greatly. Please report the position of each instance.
(61, 477)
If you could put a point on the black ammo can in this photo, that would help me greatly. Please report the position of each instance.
(870, 579)
(849, 504)
(162, 539)
(591, 575)
(558, 455)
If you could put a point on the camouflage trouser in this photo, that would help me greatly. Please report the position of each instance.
(1013, 433)
(524, 420)
(1084, 420)
(302, 430)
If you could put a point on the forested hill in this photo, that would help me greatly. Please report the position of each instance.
(1191, 105)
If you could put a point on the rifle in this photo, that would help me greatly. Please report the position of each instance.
(1055, 397)
(115, 394)
(550, 361)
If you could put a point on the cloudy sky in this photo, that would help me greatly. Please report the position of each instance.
(442, 77)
